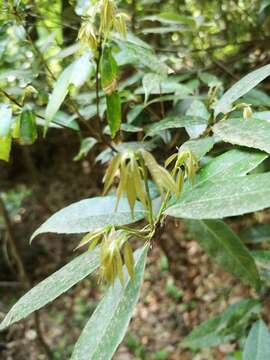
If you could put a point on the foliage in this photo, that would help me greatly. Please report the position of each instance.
(173, 144)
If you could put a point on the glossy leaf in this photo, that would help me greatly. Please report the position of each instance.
(225, 248)
(89, 215)
(114, 112)
(257, 346)
(239, 89)
(229, 197)
(107, 326)
(254, 133)
(50, 288)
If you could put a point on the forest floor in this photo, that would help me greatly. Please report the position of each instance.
(167, 311)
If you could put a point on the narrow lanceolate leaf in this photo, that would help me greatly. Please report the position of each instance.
(28, 128)
(229, 197)
(257, 346)
(224, 327)
(108, 71)
(225, 248)
(114, 112)
(50, 288)
(75, 74)
(107, 326)
(90, 215)
(239, 89)
(254, 133)
(111, 172)
(161, 176)
(232, 163)
(174, 122)
(5, 147)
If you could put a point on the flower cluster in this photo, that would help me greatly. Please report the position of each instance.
(115, 251)
(132, 169)
(104, 19)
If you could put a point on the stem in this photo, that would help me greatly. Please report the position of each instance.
(22, 273)
(11, 98)
(98, 58)
(133, 18)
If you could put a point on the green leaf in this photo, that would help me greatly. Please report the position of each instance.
(232, 163)
(89, 215)
(171, 18)
(223, 328)
(226, 249)
(166, 86)
(199, 147)
(114, 112)
(254, 133)
(262, 258)
(107, 326)
(229, 197)
(174, 122)
(86, 146)
(135, 52)
(209, 79)
(257, 346)
(262, 115)
(205, 335)
(108, 71)
(50, 288)
(150, 82)
(256, 234)
(28, 128)
(197, 109)
(239, 89)
(5, 147)
(130, 128)
(5, 120)
(75, 74)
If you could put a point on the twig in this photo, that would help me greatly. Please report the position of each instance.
(98, 58)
